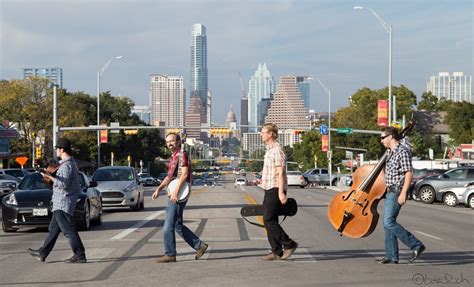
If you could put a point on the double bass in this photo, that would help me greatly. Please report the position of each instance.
(353, 213)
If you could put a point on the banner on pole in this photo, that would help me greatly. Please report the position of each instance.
(382, 113)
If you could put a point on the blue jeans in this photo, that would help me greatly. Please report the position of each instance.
(174, 222)
(63, 222)
(393, 230)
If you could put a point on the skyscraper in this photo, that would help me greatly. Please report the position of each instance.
(167, 95)
(194, 118)
(303, 85)
(199, 66)
(287, 109)
(456, 88)
(54, 74)
(261, 86)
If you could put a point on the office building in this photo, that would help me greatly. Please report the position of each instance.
(54, 74)
(143, 113)
(303, 85)
(287, 109)
(167, 96)
(194, 119)
(261, 86)
(456, 87)
(199, 77)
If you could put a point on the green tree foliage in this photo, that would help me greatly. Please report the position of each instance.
(308, 150)
(461, 122)
(30, 104)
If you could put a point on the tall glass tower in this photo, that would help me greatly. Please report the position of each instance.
(261, 86)
(199, 65)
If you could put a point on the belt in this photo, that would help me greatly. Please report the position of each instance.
(394, 188)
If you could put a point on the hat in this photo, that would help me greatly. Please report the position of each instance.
(64, 143)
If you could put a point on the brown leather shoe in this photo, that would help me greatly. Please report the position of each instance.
(166, 259)
(288, 252)
(271, 256)
(202, 249)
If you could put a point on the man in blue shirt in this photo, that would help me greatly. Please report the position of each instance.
(66, 189)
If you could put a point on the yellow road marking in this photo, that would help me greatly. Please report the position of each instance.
(250, 199)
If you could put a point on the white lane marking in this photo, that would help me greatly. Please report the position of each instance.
(136, 226)
(302, 255)
(97, 253)
(429, 235)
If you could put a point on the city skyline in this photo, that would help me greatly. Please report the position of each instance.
(346, 49)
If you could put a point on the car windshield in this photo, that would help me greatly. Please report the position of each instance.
(145, 175)
(9, 177)
(113, 175)
(33, 181)
(15, 172)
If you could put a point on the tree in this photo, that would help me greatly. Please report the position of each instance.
(461, 122)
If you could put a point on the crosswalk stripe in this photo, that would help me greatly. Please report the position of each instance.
(136, 226)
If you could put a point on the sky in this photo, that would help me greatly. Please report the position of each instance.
(346, 49)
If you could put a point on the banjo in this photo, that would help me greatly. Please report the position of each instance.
(185, 190)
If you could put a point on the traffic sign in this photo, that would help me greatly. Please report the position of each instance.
(344, 130)
(323, 129)
(21, 160)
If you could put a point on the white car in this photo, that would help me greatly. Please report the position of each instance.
(240, 181)
(295, 178)
(453, 195)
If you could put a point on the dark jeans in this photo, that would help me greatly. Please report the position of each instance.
(63, 222)
(276, 235)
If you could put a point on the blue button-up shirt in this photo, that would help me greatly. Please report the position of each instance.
(66, 187)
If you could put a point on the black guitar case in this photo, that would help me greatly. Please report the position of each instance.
(289, 209)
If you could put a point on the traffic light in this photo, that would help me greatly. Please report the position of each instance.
(130, 132)
(38, 152)
(298, 132)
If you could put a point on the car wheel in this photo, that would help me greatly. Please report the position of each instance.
(7, 228)
(136, 207)
(302, 186)
(85, 222)
(470, 201)
(427, 194)
(450, 199)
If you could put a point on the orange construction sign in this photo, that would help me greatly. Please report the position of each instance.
(21, 160)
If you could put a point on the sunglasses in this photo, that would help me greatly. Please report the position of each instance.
(383, 137)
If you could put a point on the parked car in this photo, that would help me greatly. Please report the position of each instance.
(240, 181)
(30, 205)
(426, 189)
(120, 187)
(8, 184)
(419, 174)
(452, 195)
(319, 176)
(147, 179)
(467, 197)
(16, 172)
(295, 178)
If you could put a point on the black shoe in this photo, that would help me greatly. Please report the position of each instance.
(75, 259)
(36, 254)
(385, 260)
(417, 253)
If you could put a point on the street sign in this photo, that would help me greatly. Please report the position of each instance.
(21, 160)
(344, 130)
(323, 129)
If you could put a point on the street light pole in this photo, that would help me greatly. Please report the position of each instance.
(387, 28)
(329, 131)
(99, 74)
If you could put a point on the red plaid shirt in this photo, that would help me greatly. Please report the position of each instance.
(274, 158)
(186, 161)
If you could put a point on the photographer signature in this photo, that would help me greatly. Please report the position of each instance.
(423, 279)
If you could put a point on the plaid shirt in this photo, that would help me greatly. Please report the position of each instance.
(274, 158)
(66, 187)
(398, 163)
(185, 161)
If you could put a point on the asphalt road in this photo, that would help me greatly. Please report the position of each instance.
(121, 251)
